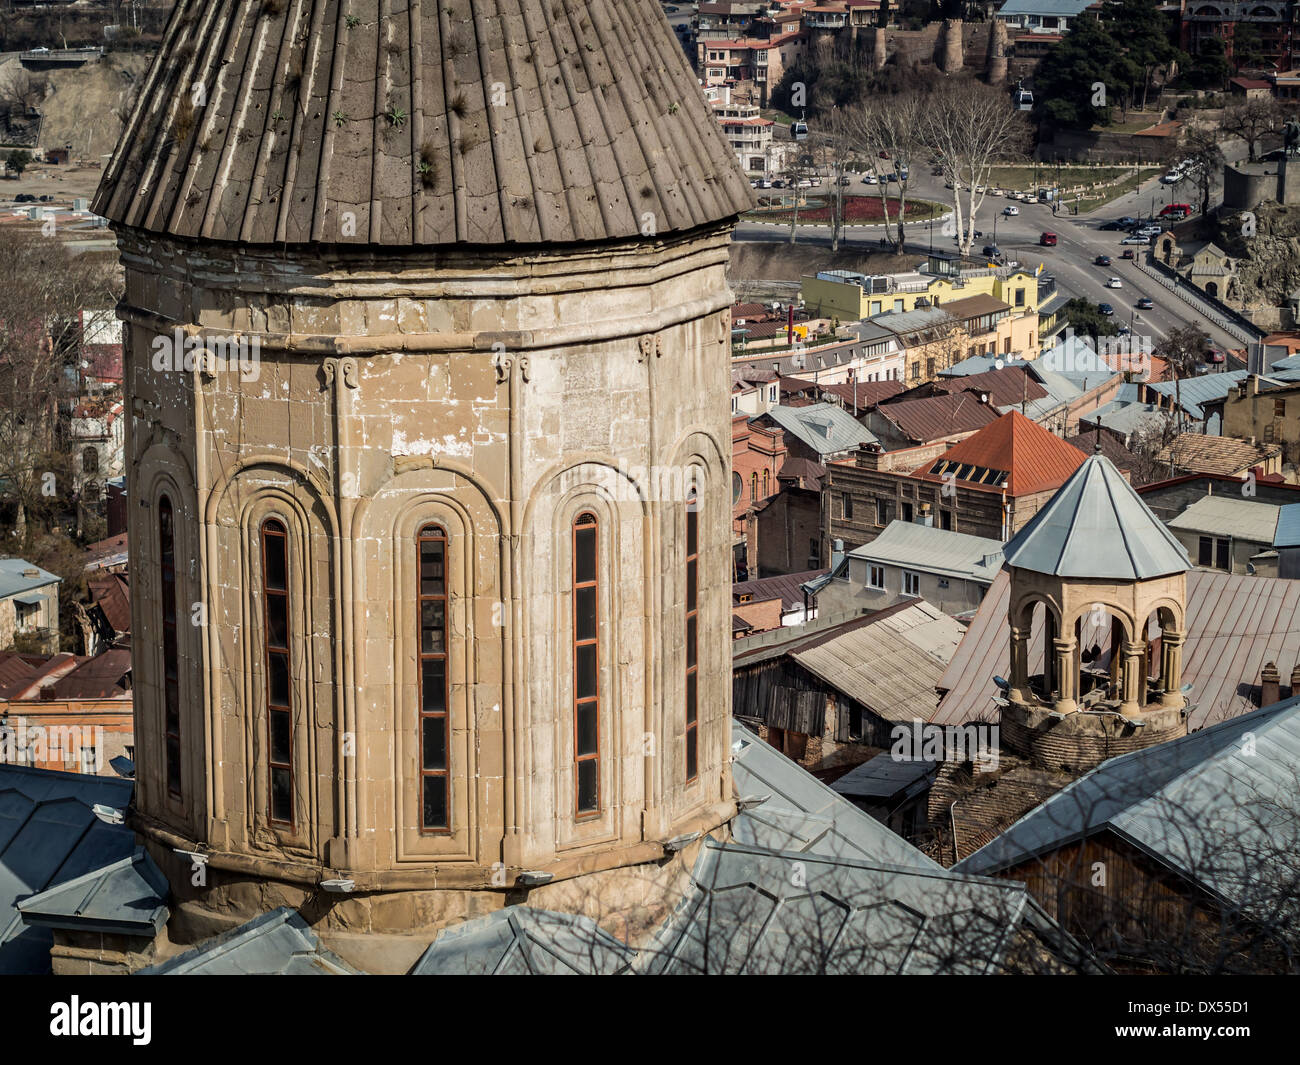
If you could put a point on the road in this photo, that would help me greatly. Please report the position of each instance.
(1071, 261)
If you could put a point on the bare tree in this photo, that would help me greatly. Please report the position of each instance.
(1205, 159)
(43, 290)
(889, 128)
(1252, 121)
(970, 128)
(1184, 350)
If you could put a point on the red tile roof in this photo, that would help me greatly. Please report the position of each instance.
(105, 676)
(1034, 459)
(1006, 387)
(863, 394)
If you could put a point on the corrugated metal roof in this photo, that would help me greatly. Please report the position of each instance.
(1006, 387)
(1204, 388)
(1217, 805)
(514, 122)
(1033, 459)
(1288, 526)
(941, 551)
(278, 943)
(935, 417)
(1097, 526)
(786, 587)
(1225, 516)
(522, 941)
(823, 427)
(1125, 418)
(49, 836)
(884, 776)
(1044, 7)
(880, 667)
(1235, 624)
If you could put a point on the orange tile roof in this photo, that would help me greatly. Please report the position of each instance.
(1034, 459)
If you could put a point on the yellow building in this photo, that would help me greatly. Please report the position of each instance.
(852, 297)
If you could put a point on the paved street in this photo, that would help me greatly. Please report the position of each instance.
(1079, 242)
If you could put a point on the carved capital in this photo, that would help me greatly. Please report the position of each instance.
(650, 344)
(344, 369)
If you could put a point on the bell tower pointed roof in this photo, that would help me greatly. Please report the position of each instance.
(1097, 526)
(409, 123)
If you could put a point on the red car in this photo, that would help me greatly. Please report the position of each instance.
(1127, 254)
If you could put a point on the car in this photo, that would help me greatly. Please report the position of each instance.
(1112, 227)
(1146, 303)
(1106, 309)
(778, 183)
(1047, 240)
(1101, 260)
(889, 177)
(1010, 210)
(807, 183)
(1128, 221)
(1214, 355)
(991, 251)
(1133, 238)
(1114, 282)
(1171, 178)
(764, 183)
(46, 199)
(24, 197)
(40, 51)
(844, 180)
(1147, 231)
(902, 174)
(979, 234)
(671, 9)
(1128, 254)
(869, 179)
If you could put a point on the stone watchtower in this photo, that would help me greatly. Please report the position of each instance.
(427, 337)
(1090, 574)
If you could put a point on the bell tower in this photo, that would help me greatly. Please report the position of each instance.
(427, 356)
(1097, 621)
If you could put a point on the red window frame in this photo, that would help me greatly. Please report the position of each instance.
(692, 643)
(433, 626)
(171, 657)
(276, 625)
(585, 547)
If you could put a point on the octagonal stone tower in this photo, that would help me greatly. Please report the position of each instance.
(1100, 566)
(427, 341)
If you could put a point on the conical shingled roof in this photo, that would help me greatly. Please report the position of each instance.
(1097, 526)
(420, 122)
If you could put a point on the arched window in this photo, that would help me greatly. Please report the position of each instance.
(435, 685)
(171, 670)
(89, 460)
(279, 686)
(753, 487)
(586, 666)
(692, 611)
(766, 482)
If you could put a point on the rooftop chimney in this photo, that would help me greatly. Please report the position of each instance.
(1270, 685)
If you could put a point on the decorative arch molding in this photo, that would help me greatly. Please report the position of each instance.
(156, 482)
(592, 483)
(387, 635)
(1022, 612)
(236, 548)
(318, 490)
(1113, 610)
(1167, 603)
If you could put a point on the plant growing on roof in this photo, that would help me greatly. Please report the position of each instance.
(396, 117)
(339, 118)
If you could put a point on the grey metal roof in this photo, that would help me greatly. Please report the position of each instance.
(279, 943)
(520, 941)
(823, 427)
(1204, 388)
(50, 835)
(1125, 418)
(802, 814)
(1218, 805)
(1097, 526)
(13, 581)
(127, 897)
(754, 911)
(1288, 526)
(1044, 7)
(931, 550)
(884, 776)
(1225, 516)
(464, 121)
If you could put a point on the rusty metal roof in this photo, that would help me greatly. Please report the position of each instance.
(934, 417)
(403, 124)
(1032, 458)
(1235, 624)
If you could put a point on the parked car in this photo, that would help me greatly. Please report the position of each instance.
(1214, 355)
(1010, 209)
(24, 197)
(40, 51)
(1114, 282)
(1101, 260)
(844, 180)
(764, 183)
(1112, 226)
(778, 183)
(1128, 221)
(1171, 178)
(991, 251)
(1106, 309)
(1146, 303)
(870, 179)
(1133, 238)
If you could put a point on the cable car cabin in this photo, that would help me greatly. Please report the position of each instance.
(800, 131)
(1024, 100)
